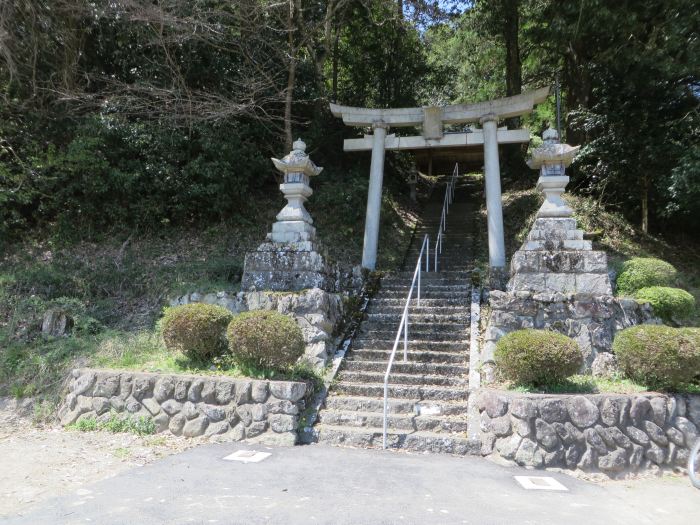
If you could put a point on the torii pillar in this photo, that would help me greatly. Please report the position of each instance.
(374, 197)
(492, 178)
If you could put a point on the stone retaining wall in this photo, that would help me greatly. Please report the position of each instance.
(611, 433)
(188, 405)
(318, 313)
(591, 321)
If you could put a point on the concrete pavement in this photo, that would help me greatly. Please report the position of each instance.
(320, 484)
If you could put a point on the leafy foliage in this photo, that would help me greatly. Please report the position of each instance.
(642, 272)
(537, 357)
(265, 339)
(659, 356)
(197, 329)
(671, 304)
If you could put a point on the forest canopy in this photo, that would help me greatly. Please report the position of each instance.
(140, 113)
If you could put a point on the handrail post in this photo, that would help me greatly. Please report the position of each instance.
(405, 337)
(427, 254)
(386, 402)
(419, 272)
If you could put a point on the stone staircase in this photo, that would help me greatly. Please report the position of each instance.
(427, 394)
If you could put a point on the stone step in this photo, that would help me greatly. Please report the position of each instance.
(429, 292)
(456, 317)
(432, 393)
(396, 406)
(414, 356)
(424, 308)
(402, 293)
(411, 367)
(409, 422)
(375, 338)
(429, 276)
(416, 338)
(430, 283)
(365, 437)
(397, 378)
(398, 302)
(441, 332)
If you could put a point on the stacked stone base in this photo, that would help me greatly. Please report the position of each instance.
(592, 321)
(318, 313)
(185, 405)
(613, 434)
(555, 258)
(287, 267)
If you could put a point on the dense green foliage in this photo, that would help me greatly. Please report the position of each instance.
(265, 339)
(108, 124)
(537, 357)
(670, 304)
(642, 272)
(659, 356)
(197, 330)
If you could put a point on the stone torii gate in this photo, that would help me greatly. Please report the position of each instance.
(432, 121)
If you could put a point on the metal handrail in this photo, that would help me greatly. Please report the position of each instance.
(403, 325)
(449, 198)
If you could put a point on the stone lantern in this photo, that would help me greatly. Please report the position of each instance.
(294, 224)
(289, 259)
(552, 159)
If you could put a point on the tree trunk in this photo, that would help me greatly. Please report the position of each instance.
(335, 64)
(645, 204)
(288, 99)
(511, 27)
(513, 154)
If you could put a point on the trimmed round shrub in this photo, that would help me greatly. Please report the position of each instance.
(668, 303)
(642, 272)
(198, 330)
(658, 356)
(537, 357)
(265, 339)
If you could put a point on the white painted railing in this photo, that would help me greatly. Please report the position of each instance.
(403, 325)
(449, 197)
(416, 284)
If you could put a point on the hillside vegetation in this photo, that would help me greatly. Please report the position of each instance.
(116, 288)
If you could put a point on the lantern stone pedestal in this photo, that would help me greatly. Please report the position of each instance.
(557, 281)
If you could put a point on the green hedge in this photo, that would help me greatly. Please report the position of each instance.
(537, 357)
(641, 272)
(198, 330)
(668, 303)
(659, 356)
(265, 339)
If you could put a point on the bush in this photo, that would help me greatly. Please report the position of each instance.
(668, 303)
(265, 339)
(641, 272)
(198, 330)
(659, 356)
(537, 357)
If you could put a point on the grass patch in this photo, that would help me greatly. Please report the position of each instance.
(145, 352)
(117, 423)
(586, 384)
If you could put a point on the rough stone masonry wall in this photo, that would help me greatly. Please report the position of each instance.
(591, 321)
(604, 432)
(317, 312)
(190, 406)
